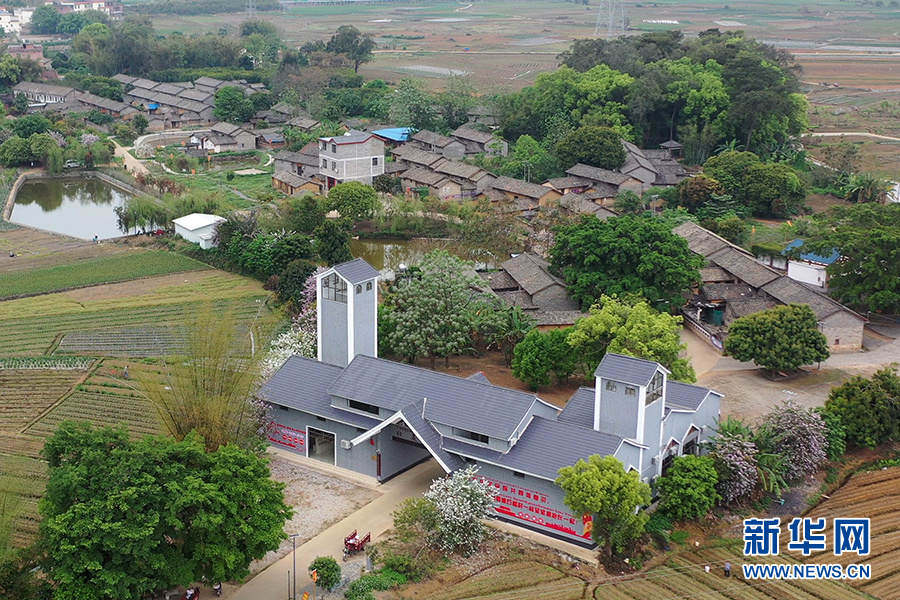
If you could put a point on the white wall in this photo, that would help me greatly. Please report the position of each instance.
(807, 273)
(195, 235)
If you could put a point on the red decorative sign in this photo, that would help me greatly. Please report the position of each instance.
(287, 436)
(526, 505)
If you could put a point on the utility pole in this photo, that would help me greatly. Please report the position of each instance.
(610, 19)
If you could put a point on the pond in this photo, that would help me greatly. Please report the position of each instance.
(79, 208)
(387, 254)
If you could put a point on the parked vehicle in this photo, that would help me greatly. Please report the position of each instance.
(354, 544)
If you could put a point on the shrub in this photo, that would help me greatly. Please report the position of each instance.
(688, 490)
(868, 408)
(328, 571)
(835, 434)
(799, 435)
(362, 588)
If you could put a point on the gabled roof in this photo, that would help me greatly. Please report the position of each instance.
(417, 156)
(427, 434)
(301, 384)
(728, 291)
(473, 135)
(627, 369)
(99, 101)
(743, 266)
(788, 291)
(432, 139)
(811, 256)
(227, 128)
(292, 179)
(531, 272)
(126, 79)
(424, 176)
(714, 275)
(579, 409)
(351, 137)
(598, 174)
(671, 145)
(394, 134)
(580, 205)
(565, 183)
(520, 188)
(700, 240)
(168, 88)
(480, 377)
(453, 401)
(747, 306)
(460, 169)
(533, 455)
(685, 396)
(196, 95)
(195, 221)
(635, 159)
(43, 88)
(144, 84)
(301, 122)
(355, 271)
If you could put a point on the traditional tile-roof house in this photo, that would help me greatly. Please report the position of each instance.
(516, 189)
(269, 139)
(225, 137)
(105, 105)
(607, 183)
(305, 162)
(479, 142)
(303, 123)
(526, 281)
(578, 204)
(292, 184)
(376, 417)
(414, 157)
(423, 178)
(738, 283)
(440, 144)
(45, 93)
(354, 156)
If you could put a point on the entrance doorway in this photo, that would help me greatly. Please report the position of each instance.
(321, 445)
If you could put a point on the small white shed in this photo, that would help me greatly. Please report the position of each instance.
(197, 228)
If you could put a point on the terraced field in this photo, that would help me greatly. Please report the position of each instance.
(22, 483)
(26, 394)
(875, 495)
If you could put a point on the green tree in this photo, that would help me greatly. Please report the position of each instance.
(624, 255)
(867, 237)
(232, 106)
(348, 40)
(529, 161)
(328, 572)
(633, 328)
(15, 151)
(45, 19)
(779, 339)
(869, 409)
(41, 144)
(688, 490)
(541, 354)
(353, 200)
(211, 389)
(627, 202)
(430, 314)
(601, 487)
(26, 126)
(55, 160)
(140, 123)
(591, 145)
(865, 187)
(20, 104)
(411, 105)
(696, 192)
(764, 189)
(332, 241)
(123, 518)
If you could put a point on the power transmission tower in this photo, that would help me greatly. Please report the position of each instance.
(610, 19)
(251, 9)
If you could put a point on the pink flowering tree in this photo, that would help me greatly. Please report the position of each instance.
(798, 435)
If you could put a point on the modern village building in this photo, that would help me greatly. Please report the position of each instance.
(354, 156)
(378, 417)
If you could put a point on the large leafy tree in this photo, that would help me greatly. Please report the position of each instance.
(541, 354)
(869, 409)
(781, 338)
(601, 487)
(763, 188)
(633, 328)
(867, 236)
(591, 145)
(353, 200)
(45, 19)
(428, 311)
(126, 519)
(688, 489)
(624, 255)
(348, 40)
(232, 106)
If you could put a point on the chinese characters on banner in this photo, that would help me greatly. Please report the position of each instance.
(522, 503)
(287, 436)
(761, 536)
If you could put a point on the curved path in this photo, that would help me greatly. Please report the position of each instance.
(853, 133)
(132, 164)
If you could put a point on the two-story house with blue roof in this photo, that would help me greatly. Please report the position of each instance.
(378, 417)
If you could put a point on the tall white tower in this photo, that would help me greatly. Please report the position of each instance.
(610, 19)
(251, 9)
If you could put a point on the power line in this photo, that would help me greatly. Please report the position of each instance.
(610, 19)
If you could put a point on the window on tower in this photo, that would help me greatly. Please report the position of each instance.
(334, 288)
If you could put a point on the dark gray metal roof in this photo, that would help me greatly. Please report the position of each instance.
(480, 377)
(453, 401)
(579, 410)
(412, 414)
(685, 396)
(301, 384)
(356, 271)
(626, 369)
(533, 455)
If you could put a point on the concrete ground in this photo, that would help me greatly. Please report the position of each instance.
(132, 164)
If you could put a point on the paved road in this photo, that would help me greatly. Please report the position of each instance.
(131, 163)
(271, 584)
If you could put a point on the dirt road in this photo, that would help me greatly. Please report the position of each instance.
(131, 163)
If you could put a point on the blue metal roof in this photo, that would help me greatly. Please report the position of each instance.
(811, 257)
(395, 134)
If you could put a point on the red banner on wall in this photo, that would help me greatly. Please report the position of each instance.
(287, 436)
(524, 504)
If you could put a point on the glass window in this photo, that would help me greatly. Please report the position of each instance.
(655, 389)
(368, 286)
(324, 163)
(334, 288)
(359, 289)
(362, 406)
(333, 165)
(630, 391)
(334, 148)
(375, 161)
(610, 386)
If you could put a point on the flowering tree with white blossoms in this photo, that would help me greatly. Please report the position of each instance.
(300, 339)
(462, 501)
(797, 434)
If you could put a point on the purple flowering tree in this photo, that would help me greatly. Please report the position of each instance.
(798, 435)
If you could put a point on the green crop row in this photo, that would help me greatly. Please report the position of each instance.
(45, 362)
(122, 266)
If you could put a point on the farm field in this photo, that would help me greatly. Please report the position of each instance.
(874, 495)
(509, 574)
(39, 249)
(22, 482)
(506, 44)
(114, 267)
